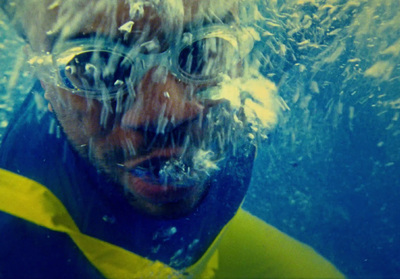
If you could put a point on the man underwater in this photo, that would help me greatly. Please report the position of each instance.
(144, 153)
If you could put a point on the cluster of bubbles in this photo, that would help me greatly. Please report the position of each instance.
(308, 35)
(336, 64)
(299, 46)
(253, 108)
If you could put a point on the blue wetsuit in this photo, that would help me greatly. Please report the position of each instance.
(34, 146)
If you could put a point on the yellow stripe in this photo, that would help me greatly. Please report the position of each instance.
(29, 200)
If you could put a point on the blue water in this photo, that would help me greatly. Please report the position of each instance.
(336, 189)
(15, 78)
(329, 174)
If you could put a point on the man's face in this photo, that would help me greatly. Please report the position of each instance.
(160, 137)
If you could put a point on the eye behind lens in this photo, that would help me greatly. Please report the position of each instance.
(95, 71)
(205, 59)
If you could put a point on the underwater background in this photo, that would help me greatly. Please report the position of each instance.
(329, 174)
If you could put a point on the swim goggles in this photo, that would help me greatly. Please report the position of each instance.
(100, 68)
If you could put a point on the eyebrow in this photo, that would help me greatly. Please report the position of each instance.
(210, 20)
(91, 35)
(207, 21)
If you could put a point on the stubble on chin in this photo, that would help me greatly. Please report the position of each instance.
(169, 210)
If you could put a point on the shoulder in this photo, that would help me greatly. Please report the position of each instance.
(252, 248)
(28, 247)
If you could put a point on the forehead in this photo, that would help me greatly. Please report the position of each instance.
(73, 17)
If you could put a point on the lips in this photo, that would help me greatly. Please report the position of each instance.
(159, 153)
(147, 179)
(171, 172)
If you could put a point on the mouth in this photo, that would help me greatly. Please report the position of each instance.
(161, 177)
(180, 165)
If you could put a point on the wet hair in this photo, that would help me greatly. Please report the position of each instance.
(17, 11)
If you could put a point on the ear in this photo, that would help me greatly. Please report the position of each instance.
(46, 96)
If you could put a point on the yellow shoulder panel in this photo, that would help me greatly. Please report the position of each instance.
(31, 201)
(250, 248)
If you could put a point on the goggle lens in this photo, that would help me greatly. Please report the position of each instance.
(94, 70)
(99, 68)
(203, 60)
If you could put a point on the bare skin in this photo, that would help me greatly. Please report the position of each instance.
(123, 141)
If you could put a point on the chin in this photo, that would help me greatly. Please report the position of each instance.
(167, 200)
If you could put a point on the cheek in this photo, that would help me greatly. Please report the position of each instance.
(79, 117)
(117, 145)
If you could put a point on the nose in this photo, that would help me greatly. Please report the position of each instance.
(159, 104)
